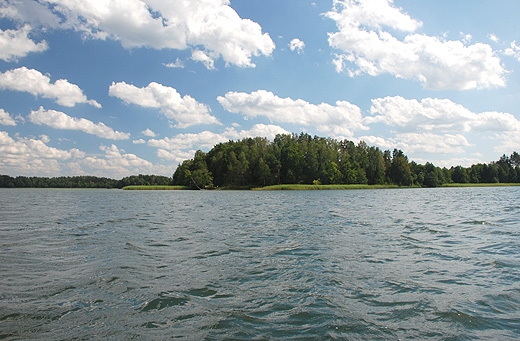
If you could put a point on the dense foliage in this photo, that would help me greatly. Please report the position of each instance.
(81, 181)
(303, 159)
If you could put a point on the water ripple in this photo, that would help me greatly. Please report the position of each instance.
(387, 264)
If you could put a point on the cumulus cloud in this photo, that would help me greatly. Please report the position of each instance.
(440, 127)
(116, 163)
(506, 142)
(29, 156)
(185, 110)
(182, 146)
(31, 12)
(6, 119)
(297, 45)
(59, 120)
(37, 84)
(16, 44)
(148, 132)
(432, 114)
(435, 62)
(431, 143)
(340, 119)
(211, 25)
(420, 143)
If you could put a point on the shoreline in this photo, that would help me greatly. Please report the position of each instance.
(300, 187)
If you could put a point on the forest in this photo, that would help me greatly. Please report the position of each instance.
(294, 159)
(304, 159)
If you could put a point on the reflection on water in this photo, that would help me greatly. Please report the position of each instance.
(366, 264)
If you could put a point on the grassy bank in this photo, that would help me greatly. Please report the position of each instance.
(154, 188)
(481, 185)
(321, 187)
(302, 187)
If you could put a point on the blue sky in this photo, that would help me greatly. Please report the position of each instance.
(115, 88)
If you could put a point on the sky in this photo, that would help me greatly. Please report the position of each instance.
(124, 87)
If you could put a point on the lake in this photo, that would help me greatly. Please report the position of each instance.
(439, 264)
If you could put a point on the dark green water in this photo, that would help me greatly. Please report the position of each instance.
(441, 264)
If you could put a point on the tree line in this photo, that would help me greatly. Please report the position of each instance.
(293, 159)
(7, 181)
(304, 159)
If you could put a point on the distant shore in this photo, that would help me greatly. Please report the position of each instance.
(303, 187)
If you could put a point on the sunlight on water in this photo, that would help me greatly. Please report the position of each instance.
(367, 264)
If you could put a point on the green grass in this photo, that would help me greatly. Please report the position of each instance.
(297, 187)
(481, 185)
(154, 188)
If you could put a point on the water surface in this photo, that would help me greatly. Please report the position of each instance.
(366, 264)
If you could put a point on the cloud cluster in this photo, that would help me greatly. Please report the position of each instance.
(513, 51)
(59, 120)
(439, 126)
(117, 164)
(182, 146)
(212, 27)
(37, 84)
(433, 114)
(32, 156)
(29, 156)
(16, 44)
(341, 119)
(435, 62)
(185, 110)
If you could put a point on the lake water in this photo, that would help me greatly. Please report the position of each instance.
(390, 264)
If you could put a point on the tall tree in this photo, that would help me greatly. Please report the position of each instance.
(400, 172)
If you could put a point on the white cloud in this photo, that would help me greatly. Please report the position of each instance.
(176, 64)
(28, 156)
(16, 44)
(415, 143)
(148, 132)
(341, 119)
(466, 38)
(297, 45)
(6, 119)
(440, 127)
(458, 161)
(160, 24)
(29, 11)
(59, 120)
(182, 146)
(185, 110)
(45, 138)
(507, 142)
(493, 37)
(432, 114)
(513, 51)
(204, 58)
(116, 163)
(37, 84)
(33, 157)
(372, 13)
(139, 141)
(433, 61)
